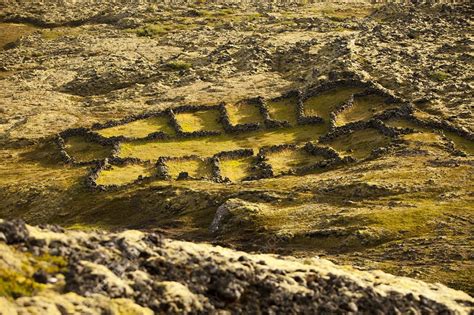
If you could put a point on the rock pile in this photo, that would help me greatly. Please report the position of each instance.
(145, 272)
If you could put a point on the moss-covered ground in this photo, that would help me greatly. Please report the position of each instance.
(121, 175)
(83, 150)
(208, 146)
(324, 103)
(363, 108)
(285, 160)
(196, 168)
(237, 169)
(409, 212)
(243, 113)
(139, 128)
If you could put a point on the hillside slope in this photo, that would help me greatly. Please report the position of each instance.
(338, 130)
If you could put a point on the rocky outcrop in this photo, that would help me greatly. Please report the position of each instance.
(234, 215)
(134, 272)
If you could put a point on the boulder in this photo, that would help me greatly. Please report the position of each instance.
(234, 214)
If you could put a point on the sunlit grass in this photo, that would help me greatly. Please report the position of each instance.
(364, 108)
(208, 146)
(55, 33)
(140, 128)
(404, 123)
(83, 151)
(285, 160)
(194, 167)
(425, 137)
(243, 113)
(237, 169)
(120, 175)
(359, 144)
(324, 103)
(206, 120)
(283, 110)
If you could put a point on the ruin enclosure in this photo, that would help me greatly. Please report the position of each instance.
(243, 157)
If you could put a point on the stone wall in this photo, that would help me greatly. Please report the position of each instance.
(262, 168)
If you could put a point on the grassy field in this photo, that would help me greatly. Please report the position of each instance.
(364, 108)
(363, 207)
(285, 160)
(283, 110)
(243, 113)
(208, 146)
(83, 151)
(206, 120)
(324, 103)
(237, 169)
(194, 167)
(140, 128)
(120, 175)
(359, 144)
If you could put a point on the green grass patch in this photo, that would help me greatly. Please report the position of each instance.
(283, 110)
(83, 151)
(208, 146)
(418, 219)
(237, 169)
(324, 103)
(364, 108)
(206, 120)
(359, 144)
(14, 284)
(196, 168)
(120, 175)
(55, 33)
(179, 65)
(152, 30)
(285, 160)
(243, 113)
(439, 76)
(140, 128)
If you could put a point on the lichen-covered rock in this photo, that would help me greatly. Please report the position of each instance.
(176, 298)
(13, 231)
(175, 277)
(234, 214)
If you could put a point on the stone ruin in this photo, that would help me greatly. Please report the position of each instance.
(261, 168)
